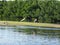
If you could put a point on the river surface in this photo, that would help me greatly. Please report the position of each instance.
(27, 35)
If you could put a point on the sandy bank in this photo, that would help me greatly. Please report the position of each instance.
(15, 23)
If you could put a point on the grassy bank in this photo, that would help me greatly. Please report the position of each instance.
(15, 23)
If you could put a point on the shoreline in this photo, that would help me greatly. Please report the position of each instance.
(16, 23)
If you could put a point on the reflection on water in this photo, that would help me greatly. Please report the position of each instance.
(28, 36)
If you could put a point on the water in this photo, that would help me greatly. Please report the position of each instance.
(27, 35)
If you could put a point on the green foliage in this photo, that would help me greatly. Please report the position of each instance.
(46, 11)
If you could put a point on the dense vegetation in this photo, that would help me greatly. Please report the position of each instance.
(45, 11)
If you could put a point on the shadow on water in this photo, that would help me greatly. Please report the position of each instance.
(33, 30)
(39, 31)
